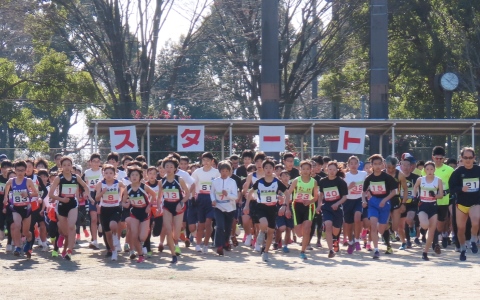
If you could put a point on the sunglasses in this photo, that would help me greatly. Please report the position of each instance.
(468, 157)
(438, 158)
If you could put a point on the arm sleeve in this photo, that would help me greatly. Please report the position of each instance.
(454, 184)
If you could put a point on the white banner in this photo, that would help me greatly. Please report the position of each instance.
(191, 138)
(351, 140)
(272, 138)
(123, 139)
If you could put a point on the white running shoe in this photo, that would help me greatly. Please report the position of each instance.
(205, 249)
(114, 255)
(258, 248)
(44, 247)
(144, 250)
(248, 240)
(265, 256)
(198, 248)
(9, 248)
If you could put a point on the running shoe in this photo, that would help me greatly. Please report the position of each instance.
(17, 251)
(265, 256)
(68, 256)
(336, 247)
(257, 247)
(227, 247)
(44, 248)
(412, 232)
(86, 233)
(345, 242)
(303, 256)
(174, 260)
(187, 243)
(109, 253)
(376, 255)
(77, 237)
(149, 254)
(198, 248)
(29, 254)
(444, 242)
(132, 255)
(234, 241)
(54, 253)
(114, 255)
(26, 247)
(220, 251)
(473, 247)
(64, 252)
(369, 247)
(409, 244)
(60, 241)
(309, 248)
(161, 247)
(364, 234)
(177, 250)
(403, 246)
(424, 239)
(389, 250)
(144, 251)
(140, 259)
(437, 249)
(285, 249)
(319, 244)
(275, 246)
(248, 240)
(93, 245)
(331, 254)
(454, 239)
(357, 246)
(463, 255)
(425, 256)
(9, 248)
(205, 249)
(350, 248)
(417, 242)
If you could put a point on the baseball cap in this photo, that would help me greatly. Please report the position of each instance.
(408, 157)
(3, 157)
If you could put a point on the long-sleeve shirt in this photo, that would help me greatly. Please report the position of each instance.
(224, 203)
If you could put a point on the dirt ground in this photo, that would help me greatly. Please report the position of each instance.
(241, 274)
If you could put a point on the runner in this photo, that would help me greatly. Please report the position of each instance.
(410, 206)
(175, 195)
(109, 193)
(352, 208)
(67, 211)
(284, 219)
(304, 191)
(92, 177)
(224, 195)
(156, 212)
(138, 198)
(333, 193)
(6, 165)
(465, 183)
(397, 205)
(20, 190)
(428, 188)
(443, 172)
(201, 209)
(382, 187)
(267, 189)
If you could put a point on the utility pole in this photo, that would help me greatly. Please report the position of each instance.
(378, 108)
(270, 86)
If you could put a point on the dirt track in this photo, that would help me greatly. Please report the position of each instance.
(241, 274)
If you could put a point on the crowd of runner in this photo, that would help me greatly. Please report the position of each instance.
(432, 205)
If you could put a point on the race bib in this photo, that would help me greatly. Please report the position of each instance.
(472, 184)
(138, 201)
(205, 187)
(268, 197)
(111, 197)
(18, 199)
(357, 189)
(92, 181)
(69, 190)
(426, 194)
(303, 197)
(171, 195)
(378, 188)
(331, 193)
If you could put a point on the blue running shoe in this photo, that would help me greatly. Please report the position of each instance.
(473, 247)
(303, 255)
(285, 249)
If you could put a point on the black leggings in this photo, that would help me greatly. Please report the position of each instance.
(316, 222)
(82, 218)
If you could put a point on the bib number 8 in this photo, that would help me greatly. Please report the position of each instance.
(268, 199)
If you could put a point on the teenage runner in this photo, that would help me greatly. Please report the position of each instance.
(21, 189)
(382, 187)
(333, 193)
(68, 185)
(92, 177)
(267, 190)
(304, 191)
(428, 188)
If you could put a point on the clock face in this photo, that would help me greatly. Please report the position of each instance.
(449, 81)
